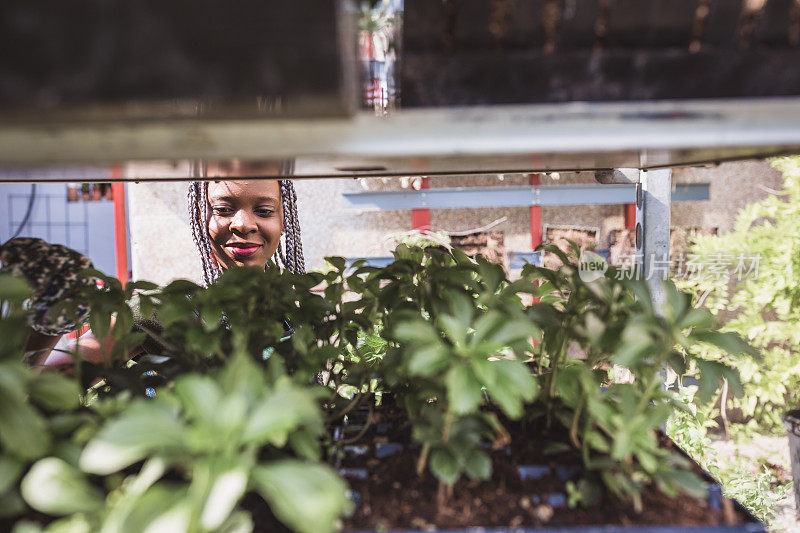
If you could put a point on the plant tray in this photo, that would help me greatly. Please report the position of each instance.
(527, 491)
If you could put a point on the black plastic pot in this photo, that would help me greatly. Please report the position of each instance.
(791, 419)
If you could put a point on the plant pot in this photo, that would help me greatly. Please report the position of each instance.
(72, 192)
(368, 467)
(791, 419)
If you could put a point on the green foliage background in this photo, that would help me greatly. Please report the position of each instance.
(763, 308)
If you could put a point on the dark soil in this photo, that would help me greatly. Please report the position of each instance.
(393, 497)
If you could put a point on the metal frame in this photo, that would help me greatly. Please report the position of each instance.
(513, 196)
(428, 141)
(652, 229)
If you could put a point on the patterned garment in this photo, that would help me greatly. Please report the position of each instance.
(52, 270)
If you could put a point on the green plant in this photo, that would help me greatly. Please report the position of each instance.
(225, 426)
(205, 442)
(31, 405)
(759, 292)
(243, 403)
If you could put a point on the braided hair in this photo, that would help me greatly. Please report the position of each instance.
(289, 253)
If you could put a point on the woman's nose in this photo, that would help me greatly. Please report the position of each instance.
(243, 222)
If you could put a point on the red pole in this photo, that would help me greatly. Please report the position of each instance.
(630, 216)
(536, 217)
(120, 225)
(421, 218)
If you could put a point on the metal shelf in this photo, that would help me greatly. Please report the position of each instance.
(425, 141)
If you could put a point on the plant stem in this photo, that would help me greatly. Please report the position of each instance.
(723, 410)
(361, 433)
(423, 458)
(573, 430)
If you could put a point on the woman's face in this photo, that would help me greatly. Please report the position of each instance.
(245, 221)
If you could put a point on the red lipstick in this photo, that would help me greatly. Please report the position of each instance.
(242, 250)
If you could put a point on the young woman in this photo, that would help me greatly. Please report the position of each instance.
(234, 223)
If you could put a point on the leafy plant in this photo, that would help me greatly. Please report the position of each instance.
(30, 404)
(205, 442)
(250, 374)
(758, 293)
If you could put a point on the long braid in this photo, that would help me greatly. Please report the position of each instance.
(198, 214)
(291, 222)
(294, 260)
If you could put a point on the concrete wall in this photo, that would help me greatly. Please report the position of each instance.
(162, 248)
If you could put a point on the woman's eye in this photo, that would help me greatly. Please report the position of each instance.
(221, 210)
(265, 212)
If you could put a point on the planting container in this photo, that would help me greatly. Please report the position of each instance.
(383, 449)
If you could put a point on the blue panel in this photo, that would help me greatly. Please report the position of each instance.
(455, 197)
(101, 236)
(585, 194)
(380, 261)
(58, 234)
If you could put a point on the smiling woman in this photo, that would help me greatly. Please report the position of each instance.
(240, 222)
(245, 222)
(235, 222)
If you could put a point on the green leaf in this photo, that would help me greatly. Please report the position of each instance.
(308, 497)
(14, 289)
(163, 507)
(279, 414)
(513, 386)
(54, 391)
(444, 466)
(10, 469)
(485, 325)
(428, 360)
(226, 489)
(416, 331)
(478, 465)
(462, 307)
(594, 327)
(11, 505)
(729, 341)
(453, 329)
(305, 444)
(697, 318)
(336, 262)
(199, 396)
(710, 377)
(635, 345)
(463, 390)
(686, 482)
(54, 487)
(145, 427)
(72, 524)
(238, 522)
(23, 431)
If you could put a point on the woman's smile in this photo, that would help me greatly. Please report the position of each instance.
(242, 249)
(245, 221)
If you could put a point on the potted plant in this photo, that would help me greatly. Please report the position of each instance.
(432, 386)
